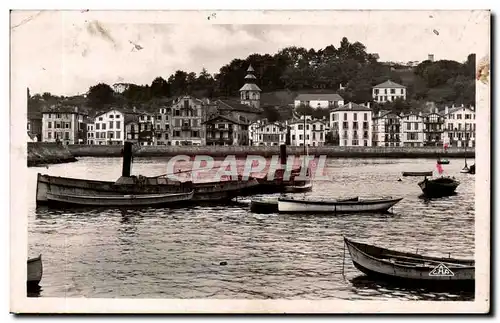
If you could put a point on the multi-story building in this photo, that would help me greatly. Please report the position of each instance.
(109, 127)
(320, 100)
(263, 133)
(460, 126)
(132, 127)
(387, 129)
(388, 91)
(162, 127)
(90, 131)
(186, 121)
(147, 134)
(412, 127)
(63, 124)
(351, 124)
(433, 128)
(223, 130)
(35, 126)
(314, 132)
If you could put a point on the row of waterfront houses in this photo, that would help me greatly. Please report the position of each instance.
(187, 120)
(191, 121)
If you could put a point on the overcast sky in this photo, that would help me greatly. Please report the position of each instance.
(66, 52)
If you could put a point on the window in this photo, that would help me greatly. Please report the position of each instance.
(158, 127)
(416, 125)
(117, 116)
(459, 116)
(97, 126)
(58, 116)
(393, 91)
(49, 125)
(355, 125)
(103, 126)
(293, 137)
(111, 116)
(118, 124)
(142, 118)
(158, 117)
(365, 116)
(66, 125)
(345, 116)
(355, 142)
(366, 142)
(355, 116)
(111, 134)
(376, 91)
(408, 126)
(301, 137)
(118, 134)
(301, 127)
(177, 133)
(49, 135)
(177, 113)
(345, 142)
(307, 127)
(66, 135)
(196, 134)
(365, 125)
(100, 118)
(314, 136)
(467, 116)
(345, 125)
(314, 127)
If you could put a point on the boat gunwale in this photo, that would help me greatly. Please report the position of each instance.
(358, 202)
(121, 197)
(395, 254)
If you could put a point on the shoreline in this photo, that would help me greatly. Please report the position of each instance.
(269, 151)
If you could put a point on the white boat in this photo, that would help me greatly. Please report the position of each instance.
(306, 187)
(35, 271)
(336, 206)
(120, 200)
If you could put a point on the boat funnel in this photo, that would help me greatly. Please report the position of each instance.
(127, 159)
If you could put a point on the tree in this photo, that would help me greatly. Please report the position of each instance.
(100, 95)
(271, 113)
(160, 88)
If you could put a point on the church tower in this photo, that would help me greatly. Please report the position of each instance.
(250, 92)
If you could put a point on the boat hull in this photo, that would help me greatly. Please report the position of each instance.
(120, 200)
(218, 191)
(430, 188)
(390, 266)
(34, 272)
(298, 188)
(405, 174)
(264, 206)
(290, 205)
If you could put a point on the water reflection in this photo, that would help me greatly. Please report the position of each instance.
(364, 285)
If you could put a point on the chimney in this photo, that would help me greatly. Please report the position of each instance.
(134, 109)
(368, 105)
(76, 109)
(446, 110)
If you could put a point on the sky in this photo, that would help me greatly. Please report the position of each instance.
(66, 52)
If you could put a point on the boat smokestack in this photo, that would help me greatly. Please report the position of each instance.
(283, 154)
(127, 159)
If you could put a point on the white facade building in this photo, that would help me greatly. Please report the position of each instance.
(352, 124)
(109, 128)
(460, 126)
(387, 129)
(319, 100)
(412, 128)
(315, 132)
(63, 124)
(262, 133)
(90, 133)
(388, 91)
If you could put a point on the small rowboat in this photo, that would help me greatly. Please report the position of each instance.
(336, 206)
(35, 271)
(395, 266)
(443, 161)
(306, 187)
(439, 187)
(120, 200)
(270, 205)
(417, 173)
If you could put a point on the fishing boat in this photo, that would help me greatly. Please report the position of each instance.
(34, 271)
(299, 188)
(336, 206)
(439, 187)
(417, 173)
(397, 266)
(120, 200)
(264, 205)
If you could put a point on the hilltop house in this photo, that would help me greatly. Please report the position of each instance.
(320, 100)
(388, 91)
(351, 124)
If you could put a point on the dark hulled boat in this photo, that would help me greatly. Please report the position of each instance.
(34, 272)
(405, 174)
(403, 267)
(439, 187)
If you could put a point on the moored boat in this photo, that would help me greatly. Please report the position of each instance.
(417, 173)
(299, 188)
(397, 266)
(336, 206)
(264, 205)
(472, 169)
(120, 200)
(439, 187)
(34, 271)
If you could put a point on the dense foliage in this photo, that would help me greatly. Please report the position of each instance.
(348, 70)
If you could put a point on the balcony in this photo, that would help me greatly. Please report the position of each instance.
(186, 128)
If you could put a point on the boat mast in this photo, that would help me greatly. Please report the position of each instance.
(466, 143)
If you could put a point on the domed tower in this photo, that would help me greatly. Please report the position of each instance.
(250, 92)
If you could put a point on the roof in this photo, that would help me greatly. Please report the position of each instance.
(455, 109)
(390, 84)
(384, 113)
(226, 117)
(276, 123)
(131, 117)
(319, 97)
(308, 121)
(250, 87)
(250, 68)
(250, 76)
(62, 109)
(236, 106)
(351, 107)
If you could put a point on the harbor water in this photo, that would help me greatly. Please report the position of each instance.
(226, 252)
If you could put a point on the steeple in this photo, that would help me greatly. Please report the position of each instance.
(250, 92)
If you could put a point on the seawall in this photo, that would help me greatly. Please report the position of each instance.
(48, 153)
(267, 151)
